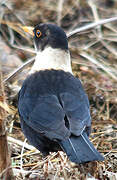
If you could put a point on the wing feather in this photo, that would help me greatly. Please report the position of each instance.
(77, 111)
(44, 114)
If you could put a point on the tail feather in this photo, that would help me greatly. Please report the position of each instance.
(80, 149)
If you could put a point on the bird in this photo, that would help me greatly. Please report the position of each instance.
(53, 106)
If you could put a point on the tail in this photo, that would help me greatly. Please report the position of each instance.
(79, 149)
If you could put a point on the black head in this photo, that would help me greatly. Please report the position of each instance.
(49, 35)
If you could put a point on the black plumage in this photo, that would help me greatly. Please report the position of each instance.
(54, 109)
(48, 101)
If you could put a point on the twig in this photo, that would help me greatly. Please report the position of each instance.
(96, 16)
(24, 48)
(91, 25)
(20, 143)
(21, 162)
(59, 10)
(13, 74)
(27, 153)
(12, 38)
(108, 151)
(109, 47)
(93, 60)
(104, 132)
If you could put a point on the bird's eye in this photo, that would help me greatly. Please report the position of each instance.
(38, 33)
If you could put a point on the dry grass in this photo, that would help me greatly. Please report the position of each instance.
(94, 59)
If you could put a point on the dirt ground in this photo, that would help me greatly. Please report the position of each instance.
(94, 61)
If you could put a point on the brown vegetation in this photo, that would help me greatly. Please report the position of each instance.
(94, 58)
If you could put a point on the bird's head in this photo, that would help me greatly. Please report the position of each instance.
(51, 46)
(49, 35)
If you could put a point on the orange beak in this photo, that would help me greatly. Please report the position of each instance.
(28, 29)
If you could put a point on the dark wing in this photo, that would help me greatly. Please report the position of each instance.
(44, 115)
(77, 111)
(78, 147)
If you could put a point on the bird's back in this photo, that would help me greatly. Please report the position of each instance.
(52, 82)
